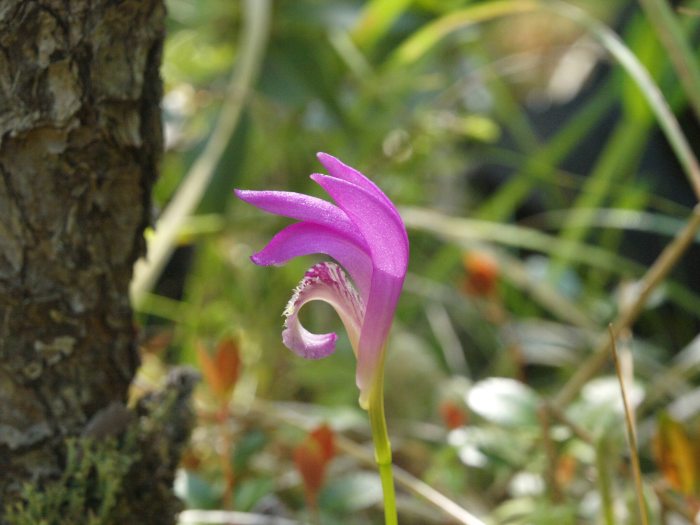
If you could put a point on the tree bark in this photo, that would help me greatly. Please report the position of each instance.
(80, 141)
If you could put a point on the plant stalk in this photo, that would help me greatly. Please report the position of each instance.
(382, 447)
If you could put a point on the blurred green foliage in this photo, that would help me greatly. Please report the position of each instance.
(480, 123)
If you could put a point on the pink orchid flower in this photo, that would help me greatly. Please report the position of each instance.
(366, 236)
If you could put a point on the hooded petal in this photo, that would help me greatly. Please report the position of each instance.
(303, 208)
(382, 227)
(380, 307)
(338, 169)
(323, 282)
(305, 238)
(378, 222)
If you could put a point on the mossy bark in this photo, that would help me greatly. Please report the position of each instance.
(80, 141)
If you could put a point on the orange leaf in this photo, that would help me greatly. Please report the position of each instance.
(220, 371)
(312, 456)
(326, 440)
(228, 359)
(308, 458)
(482, 273)
(565, 470)
(675, 455)
(453, 416)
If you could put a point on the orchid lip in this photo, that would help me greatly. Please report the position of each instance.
(326, 282)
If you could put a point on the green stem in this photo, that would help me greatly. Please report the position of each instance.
(635, 69)
(382, 447)
(605, 480)
(673, 36)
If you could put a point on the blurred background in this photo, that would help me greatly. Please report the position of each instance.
(537, 189)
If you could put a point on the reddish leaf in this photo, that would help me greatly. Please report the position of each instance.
(482, 273)
(222, 369)
(675, 455)
(565, 470)
(326, 440)
(311, 457)
(308, 458)
(453, 416)
(228, 359)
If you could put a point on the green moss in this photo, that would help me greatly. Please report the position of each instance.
(87, 491)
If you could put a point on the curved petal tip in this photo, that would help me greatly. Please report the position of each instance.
(307, 345)
(256, 259)
(322, 282)
(241, 194)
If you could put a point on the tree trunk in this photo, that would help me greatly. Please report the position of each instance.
(80, 140)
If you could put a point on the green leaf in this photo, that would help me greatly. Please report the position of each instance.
(529, 510)
(421, 41)
(249, 492)
(249, 445)
(377, 17)
(504, 401)
(195, 491)
(352, 493)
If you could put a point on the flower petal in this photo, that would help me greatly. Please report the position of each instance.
(381, 304)
(322, 282)
(378, 222)
(338, 169)
(382, 227)
(305, 238)
(303, 208)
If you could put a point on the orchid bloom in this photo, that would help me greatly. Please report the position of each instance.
(366, 236)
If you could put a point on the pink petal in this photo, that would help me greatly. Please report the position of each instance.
(336, 168)
(323, 282)
(302, 207)
(306, 344)
(305, 238)
(380, 224)
(381, 304)
(382, 227)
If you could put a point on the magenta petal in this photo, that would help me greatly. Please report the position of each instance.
(385, 233)
(307, 345)
(303, 208)
(379, 313)
(380, 224)
(338, 169)
(305, 238)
